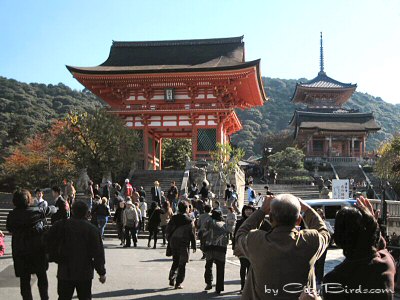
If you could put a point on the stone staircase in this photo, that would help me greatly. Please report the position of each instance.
(345, 171)
(147, 178)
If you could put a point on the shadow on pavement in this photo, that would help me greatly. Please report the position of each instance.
(165, 296)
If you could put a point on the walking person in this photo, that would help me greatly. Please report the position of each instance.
(90, 194)
(230, 222)
(156, 193)
(194, 191)
(153, 223)
(102, 214)
(180, 237)
(130, 221)
(139, 213)
(82, 253)
(70, 192)
(61, 205)
(143, 210)
(26, 225)
(216, 242)
(93, 213)
(200, 225)
(247, 211)
(107, 193)
(204, 192)
(127, 190)
(119, 221)
(172, 195)
(165, 218)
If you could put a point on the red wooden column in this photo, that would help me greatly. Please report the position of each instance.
(153, 140)
(160, 154)
(146, 147)
(194, 142)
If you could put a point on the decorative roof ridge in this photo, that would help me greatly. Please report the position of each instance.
(352, 114)
(214, 41)
(323, 77)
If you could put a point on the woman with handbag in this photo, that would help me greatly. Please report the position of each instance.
(153, 223)
(27, 225)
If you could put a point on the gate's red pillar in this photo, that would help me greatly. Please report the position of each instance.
(160, 154)
(146, 147)
(194, 143)
(153, 154)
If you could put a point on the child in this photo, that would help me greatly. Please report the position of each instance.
(2, 244)
(230, 222)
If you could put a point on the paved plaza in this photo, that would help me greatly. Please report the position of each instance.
(141, 273)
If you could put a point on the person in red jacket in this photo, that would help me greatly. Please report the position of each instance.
(128, 189)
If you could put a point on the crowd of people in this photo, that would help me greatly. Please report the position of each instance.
(280, 256)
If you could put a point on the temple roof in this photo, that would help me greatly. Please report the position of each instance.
(324, 81)
(342, 122)
(175, 55)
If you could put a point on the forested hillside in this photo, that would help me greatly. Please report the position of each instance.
(28, 108)
(276, 114)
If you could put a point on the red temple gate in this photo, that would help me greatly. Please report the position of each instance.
(177, 89)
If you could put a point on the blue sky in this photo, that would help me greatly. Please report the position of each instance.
(361, 37)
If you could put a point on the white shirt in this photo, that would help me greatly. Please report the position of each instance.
(143, 209)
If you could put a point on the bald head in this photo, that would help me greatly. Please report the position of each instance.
(285, 209)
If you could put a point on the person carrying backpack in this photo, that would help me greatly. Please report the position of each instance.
(216, 243)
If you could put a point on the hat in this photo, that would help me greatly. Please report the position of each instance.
(126, 180)
(129, 202)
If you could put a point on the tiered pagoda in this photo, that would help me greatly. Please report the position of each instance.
(324, 128)
(177, 89)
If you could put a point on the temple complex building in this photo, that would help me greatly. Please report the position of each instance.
(323, 128)
(177, 89)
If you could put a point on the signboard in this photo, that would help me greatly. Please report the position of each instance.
(169, 95)
(340, 189)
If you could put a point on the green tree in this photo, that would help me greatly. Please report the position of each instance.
(290, 158)
(225, 161)
(388, 165)
(175, 153)
(101, 143)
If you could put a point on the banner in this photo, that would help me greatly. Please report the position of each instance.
(340, 188)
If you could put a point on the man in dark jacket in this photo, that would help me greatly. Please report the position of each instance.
(60, 204)
(172, 195)
(26, 225)
(82, 252)
(180, 236)
(156, 193)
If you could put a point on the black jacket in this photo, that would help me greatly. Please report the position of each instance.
(102, 210)
(61, 212)
(180, 232)
(27, 228)
(154, 218)
(118, 215)
(84, 251)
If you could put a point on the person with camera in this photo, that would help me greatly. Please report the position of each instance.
(284, 248)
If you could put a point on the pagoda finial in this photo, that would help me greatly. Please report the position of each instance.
(321, 59)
